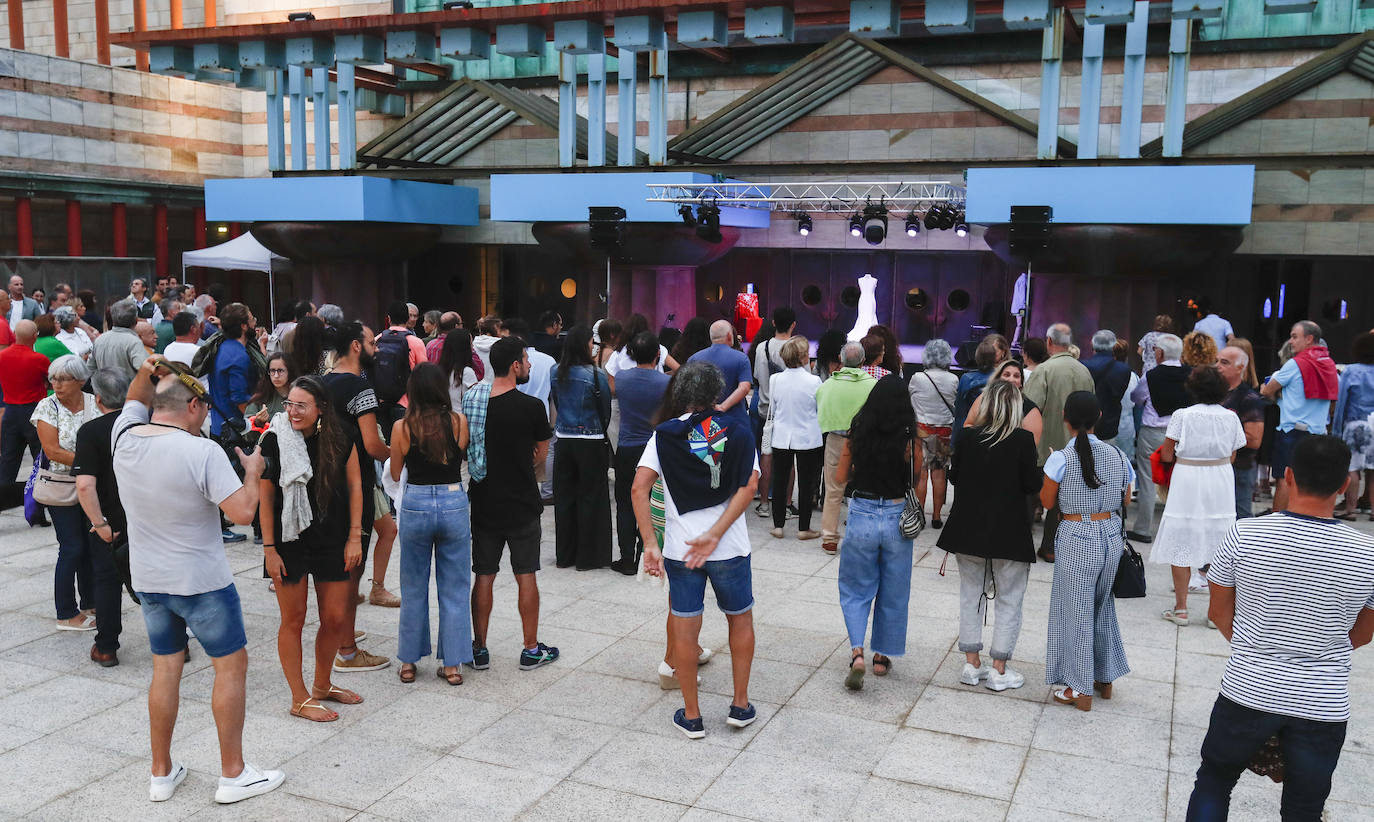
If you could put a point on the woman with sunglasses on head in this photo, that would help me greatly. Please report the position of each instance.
(311, 508)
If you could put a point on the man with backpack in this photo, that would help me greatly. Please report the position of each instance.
(398, 351)
(767, 362)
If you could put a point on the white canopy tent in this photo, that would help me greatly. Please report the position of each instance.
(243, 253)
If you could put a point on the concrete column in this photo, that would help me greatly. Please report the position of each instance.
(210, 15)
(1133, 82)
(596, 109)
(1176, 98)
(628, 97)
(1051, 56)
(16, 17)
(348, 117)
(295, 89)
(276, 120)
(1090, 98)
(102, 32)
(658, 102)
(567, 110)
(62, 44)
(319, 89)
(141, 24)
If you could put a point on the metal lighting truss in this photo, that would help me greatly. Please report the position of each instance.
(808, 196)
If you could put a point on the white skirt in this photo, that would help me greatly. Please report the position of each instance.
(1200, 512)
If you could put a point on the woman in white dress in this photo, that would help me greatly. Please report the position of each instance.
(1201, 441)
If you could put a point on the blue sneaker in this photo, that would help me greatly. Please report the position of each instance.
(742, 717)
(541, 655)
(232, 536)
(481, 657)
(694, 728)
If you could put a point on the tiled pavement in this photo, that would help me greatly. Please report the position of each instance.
(589, 737)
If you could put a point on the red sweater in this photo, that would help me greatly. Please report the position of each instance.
(23, 375)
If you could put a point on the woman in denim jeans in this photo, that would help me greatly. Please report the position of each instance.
(875, 560)
(429, 443)
(581, 393)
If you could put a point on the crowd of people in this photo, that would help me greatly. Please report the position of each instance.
(334, 442)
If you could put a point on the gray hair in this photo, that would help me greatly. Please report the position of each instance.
(203, 302)
(330, 314)
(69, 365)
(124, 313)
(852, 355)
(65, 316)
(1171, 345)
(1285, 351)
(1059, 334)
(173, 308)
(195, 311)
(937, 354)
(111, 387)
(413, 307)
(697, 385)
(1310, 329)
(1103, 341)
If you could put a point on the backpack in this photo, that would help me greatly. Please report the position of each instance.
(392, 370)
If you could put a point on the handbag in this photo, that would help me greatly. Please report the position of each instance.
(913, 520)
(1161, 472)
(1130, 569)
(53, 489)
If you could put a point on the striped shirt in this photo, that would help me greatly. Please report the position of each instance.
(1300, 582)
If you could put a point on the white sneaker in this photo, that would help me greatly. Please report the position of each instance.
(252, 782)
(1197, 583)
(161, 788)
(972, 676)
(667, 677)
(705, 656)
(1001, 682)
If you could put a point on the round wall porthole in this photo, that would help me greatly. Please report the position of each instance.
(917, 299)
(712, 292)
(811, 295)
(569, 288)
(958, 300)
(849, 297)
(455, 284)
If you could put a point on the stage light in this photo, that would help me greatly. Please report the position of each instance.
(708, 217)
(856, 225)
(875, 224)
(685, 211)
(913, 224)
(947, 218)
(932, 220)
(804, 224)
(961, 227)
(300, 17)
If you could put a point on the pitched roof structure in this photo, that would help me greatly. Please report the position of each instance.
(467, 114)
(810, 83)
(1355, 55)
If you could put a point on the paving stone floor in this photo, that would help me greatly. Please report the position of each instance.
(590, 737)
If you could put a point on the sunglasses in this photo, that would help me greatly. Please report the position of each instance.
(185, 378)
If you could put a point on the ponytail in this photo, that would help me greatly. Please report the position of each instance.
(1084, 448)
(1081, 412)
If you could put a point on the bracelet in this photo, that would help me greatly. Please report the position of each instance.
(101, 524)
(269, 545)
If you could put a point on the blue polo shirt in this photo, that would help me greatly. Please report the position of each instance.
(736, 368)
(231, 383)
(1294, 406)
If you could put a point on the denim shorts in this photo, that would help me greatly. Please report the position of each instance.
(215, 617)
(1284, 445)
(731, 579)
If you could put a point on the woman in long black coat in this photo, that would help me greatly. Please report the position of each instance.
(989, 530)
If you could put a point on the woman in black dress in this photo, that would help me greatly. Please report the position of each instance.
(311, 510)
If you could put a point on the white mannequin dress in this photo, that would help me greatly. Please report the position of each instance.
(868, 308)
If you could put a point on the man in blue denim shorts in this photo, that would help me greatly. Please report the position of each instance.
(173, 484)
(710, 471)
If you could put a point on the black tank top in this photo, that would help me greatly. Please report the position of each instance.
(423, 471)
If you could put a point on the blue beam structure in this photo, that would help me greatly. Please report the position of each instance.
(295, 89)
(465, 44)
(348, 117)
(1143, 195)
(273, 82)
(1176, 94)
(627, 106)
(1133, 82)
(340, 199)
(596, 107)
(567, 110)
(319, 87)
(949, 16)
(769, 25)
(658, 101)
(1051, 60)
(1025, 14)
(359, 49)
(875, 18)
(1090, 98)
(564, 198)
(703, 29)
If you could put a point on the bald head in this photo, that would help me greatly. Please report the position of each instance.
(25, 332)
(722, 332)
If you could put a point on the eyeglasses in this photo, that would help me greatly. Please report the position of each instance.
(291, 405)
(276, 371)
(61, 378)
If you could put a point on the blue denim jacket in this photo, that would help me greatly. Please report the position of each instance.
(579, 412)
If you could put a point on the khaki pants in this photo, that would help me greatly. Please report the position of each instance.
(834, 491)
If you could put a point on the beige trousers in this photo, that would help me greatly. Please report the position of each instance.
(834, 491)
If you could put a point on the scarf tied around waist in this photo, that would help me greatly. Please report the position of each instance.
(705, 458)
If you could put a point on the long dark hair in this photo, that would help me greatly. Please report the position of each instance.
(1081, 412)
(455, 355)
(335, 444)
(575, 349)
(696, 335)
(892, 350)
(669, 408)
(635, 324)
(883, 427)
(344, 335)
(266, 390)
(307, 346)
(828, 349)
(429, 411)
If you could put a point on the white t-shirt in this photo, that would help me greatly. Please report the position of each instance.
(772, 349)
(171, 484)
(621, 360)
(77, 341)
(678, 528)
(182, 352)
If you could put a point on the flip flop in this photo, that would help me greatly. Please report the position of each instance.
(342, 696)
(299, 710)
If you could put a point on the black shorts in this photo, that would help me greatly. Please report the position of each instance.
(302, 559)
(487, 547)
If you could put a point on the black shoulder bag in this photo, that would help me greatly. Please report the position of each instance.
(1130, 569)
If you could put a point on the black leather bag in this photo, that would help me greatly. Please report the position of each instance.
(1130, 571)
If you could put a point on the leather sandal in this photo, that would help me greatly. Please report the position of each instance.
(1066, 696)
(885, 662)
(305, 704)
(854, 680)
(343, 696)
(454, 678)
(407, 672)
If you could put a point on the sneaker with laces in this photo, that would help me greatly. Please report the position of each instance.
(693, 728)
(481, 657)
(741, 717)
(232, 536)
(249, 783)
(763, 509)
(1001, 682)
(537, 657)
(361, 661)
(972, 676)
(161, 788)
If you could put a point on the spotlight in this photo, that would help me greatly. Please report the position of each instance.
(685, 211)
(300, 17)
(856, 225)
(947, 218)
(961, 227)
(803, 224)
(708, 217)
(932, 220)
(913, 224)
(875, 224)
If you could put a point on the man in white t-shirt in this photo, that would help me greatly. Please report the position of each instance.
(186, 326)
(710, 471)
(173, 484)
(1294, 593)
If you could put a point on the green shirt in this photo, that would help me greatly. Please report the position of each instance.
(51, 347)
(1048, 386)
(840, 398)
(165, 335)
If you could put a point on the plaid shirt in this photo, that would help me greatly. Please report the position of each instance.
(475, 409)
(877, 372)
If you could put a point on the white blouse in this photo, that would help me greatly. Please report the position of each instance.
(792, 406)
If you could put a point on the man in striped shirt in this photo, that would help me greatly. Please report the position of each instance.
(1294, 594)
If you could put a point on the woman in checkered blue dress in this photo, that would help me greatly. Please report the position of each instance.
(1090, 480)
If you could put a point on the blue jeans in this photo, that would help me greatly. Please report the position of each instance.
(1245, 490)
(732, 580)
(215, 617)
(1310, 751)
(435, 523)
(875, 572)
(73, 561)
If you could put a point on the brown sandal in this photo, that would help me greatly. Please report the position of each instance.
(306, 704)
(454, 678)
(885, 662)
(407, 672)
(343, 696)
